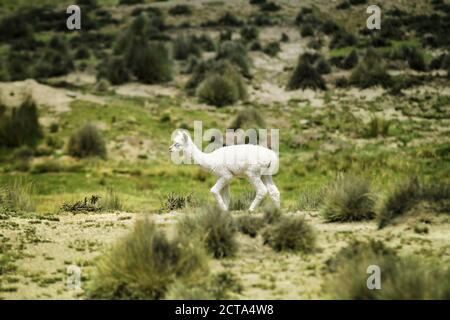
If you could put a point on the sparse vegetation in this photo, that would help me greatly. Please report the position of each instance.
(145, 263)
(404, 278)
(17, 197)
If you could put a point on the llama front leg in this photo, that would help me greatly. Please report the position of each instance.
(216, 191)
(226, 195)
(272, 190)
(261, 191)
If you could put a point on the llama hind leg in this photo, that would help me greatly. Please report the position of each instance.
(261, 191)
(216, 191)
(226, 195)
(272, 190)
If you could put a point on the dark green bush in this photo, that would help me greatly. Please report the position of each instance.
(55, 60)
(180, 9)
(307, 31)
(412, 54)
(349, 198)
(248, 118)
(184, 46)
(115, 70)
(270, 7)
(290, 234)
(272, 48)
(86, 142)
(218, 90)
(350, 61)
(371, 71)
(148, 61)
(220, 83)
(305, 76)
(237, 54)
(322, 66)
(131, 2)
(229, 19)
(21, 126)
(249, 33)
(341, 39)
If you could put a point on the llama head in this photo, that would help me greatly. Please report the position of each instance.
(180, 141)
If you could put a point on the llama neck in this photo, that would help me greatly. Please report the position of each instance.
(196, 154)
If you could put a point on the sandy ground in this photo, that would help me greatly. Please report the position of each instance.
(49, 248)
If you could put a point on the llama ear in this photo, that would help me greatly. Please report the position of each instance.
(185, 136)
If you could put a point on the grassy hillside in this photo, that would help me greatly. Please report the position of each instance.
(363, 119)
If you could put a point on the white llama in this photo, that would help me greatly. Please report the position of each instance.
(254, 162)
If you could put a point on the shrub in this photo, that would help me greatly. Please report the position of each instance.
(205, 42)
(21, 127)
(272, 214)
(248, 118)
(180, 9)
(184, 46)
(173, 202)
(111, 201)
(401, 198)
(214, 228)
(350, 61)
(329, 27)
(305, 76)
(249, 33)
(250, 225)
(311, 199)
(290, 234)
(86, 142)
(242, 202)
(272, 48)
(342, 39)
(403, 278)
(114, 70)
(307, 31)
(284, 37)
(315, 44)
(145, 263)
(378, 127)
(270, 7)
(17, 196)
(218, 90)
(348, 198)
(323, 67)
(151, 63)
(237, 54)
(88, 204)
(221, 88)
(130, 2)
(55, 60)
(219, 287)
(371, 71)
(148, 61)
(229, 19)
(411, 54)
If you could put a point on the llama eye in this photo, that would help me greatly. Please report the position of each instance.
(177, 144)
